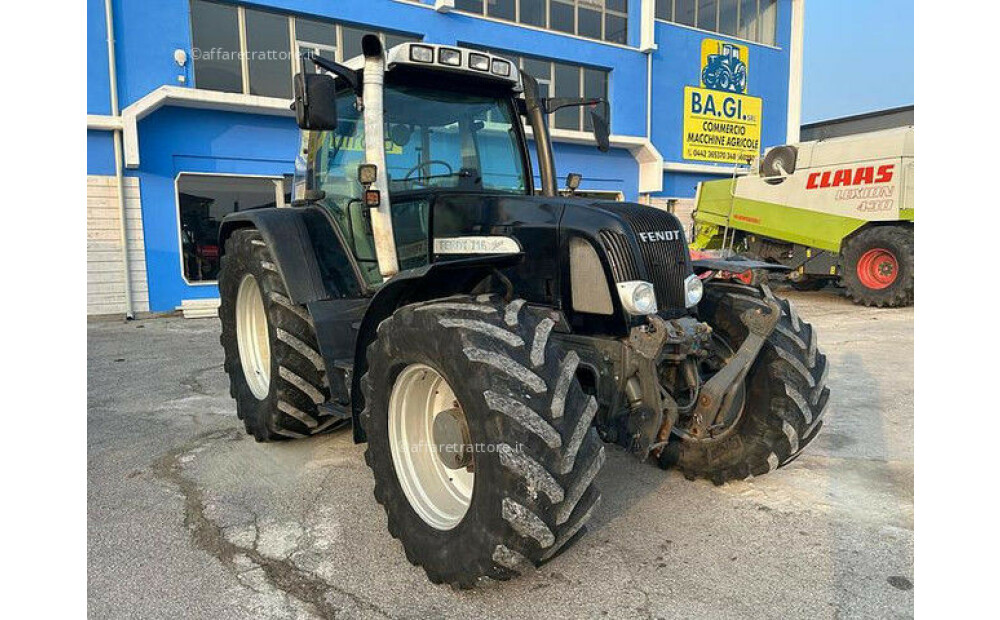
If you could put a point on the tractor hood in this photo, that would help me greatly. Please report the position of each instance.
(633, 241)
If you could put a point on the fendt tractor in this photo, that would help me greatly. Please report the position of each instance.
(484, 338)
(839, 209)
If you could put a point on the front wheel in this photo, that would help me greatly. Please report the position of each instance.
(479, 437)
(779, 409)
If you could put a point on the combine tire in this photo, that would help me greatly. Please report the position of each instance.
(878, 267)
(785, 393)
(486, 375)
(275, 370)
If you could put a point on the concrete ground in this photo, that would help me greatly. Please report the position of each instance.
(189, 517)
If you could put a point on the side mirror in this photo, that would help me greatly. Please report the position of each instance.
(602, 133)
(315, 101)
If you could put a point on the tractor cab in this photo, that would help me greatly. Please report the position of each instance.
(445, 121)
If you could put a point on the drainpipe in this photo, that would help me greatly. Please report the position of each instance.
(373, 83)
(119, 176)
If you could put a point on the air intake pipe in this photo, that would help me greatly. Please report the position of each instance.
(373, 86)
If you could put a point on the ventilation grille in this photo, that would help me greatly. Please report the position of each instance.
(667, 262)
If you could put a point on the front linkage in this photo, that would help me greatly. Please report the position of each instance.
(682, 384)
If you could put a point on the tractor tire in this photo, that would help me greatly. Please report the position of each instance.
(878, 267)
(536, 451)
(785, 393)
(276, 393)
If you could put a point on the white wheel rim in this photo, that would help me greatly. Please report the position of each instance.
(441, 496)
(252, 337)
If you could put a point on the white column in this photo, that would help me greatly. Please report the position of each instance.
(795, 71)
(647, 17)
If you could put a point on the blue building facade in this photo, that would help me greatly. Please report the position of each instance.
(203, 89)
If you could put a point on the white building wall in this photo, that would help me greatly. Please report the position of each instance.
(105, 281)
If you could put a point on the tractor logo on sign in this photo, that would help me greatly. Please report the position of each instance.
(724, 66)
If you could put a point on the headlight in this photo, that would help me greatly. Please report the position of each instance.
(479, 62)
(450, 57)
(421, 53)
(638, 297)
(693, 289)
(500, 67)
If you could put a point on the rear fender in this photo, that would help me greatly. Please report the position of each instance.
(307, 251)
(434, 281)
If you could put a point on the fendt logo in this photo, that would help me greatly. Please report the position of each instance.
(847, 177)
(660, 235)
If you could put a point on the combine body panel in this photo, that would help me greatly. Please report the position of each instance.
(805, 217)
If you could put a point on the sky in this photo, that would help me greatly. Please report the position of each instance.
(858, 57)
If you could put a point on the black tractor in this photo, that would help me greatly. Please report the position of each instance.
(484, 337)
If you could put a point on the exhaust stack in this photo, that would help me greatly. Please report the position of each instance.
(373, 82)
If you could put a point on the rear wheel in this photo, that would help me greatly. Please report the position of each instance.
(479, 437)
(779, 409)
(878, 266)
(276, 373)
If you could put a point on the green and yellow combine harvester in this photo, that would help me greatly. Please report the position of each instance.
(836, 209)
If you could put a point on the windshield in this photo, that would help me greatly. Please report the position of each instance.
(434, 141)
(442, 139)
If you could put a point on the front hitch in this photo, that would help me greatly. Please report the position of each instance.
(717, 393)
(650, 423)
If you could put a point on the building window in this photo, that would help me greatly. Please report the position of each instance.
(562, 79)
(203, 200)
(708, 15)
(215, 34)
(244, 50)
(753, 20)
(269, 58)
(604, 20)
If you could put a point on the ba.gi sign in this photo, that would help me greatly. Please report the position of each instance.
(721, 122)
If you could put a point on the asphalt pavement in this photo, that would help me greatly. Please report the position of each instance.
(189, 517)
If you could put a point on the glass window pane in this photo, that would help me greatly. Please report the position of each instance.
(501, 9)
(567, 85)
(595, 84)
(727, 16)
(392, 40)
(748, 20)
(313, 31)
(533, 12)
(684, 11)
(269, 54)
(615, 29)
(541, 71)
(665, 9)
(617, 5)
(351, 41)
(588, 23)
(561, 17)
(471, 6)
(216, 41)
(203, 201)
(767, 26)
(707, 17)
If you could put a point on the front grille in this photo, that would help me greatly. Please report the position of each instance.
(667, 262)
